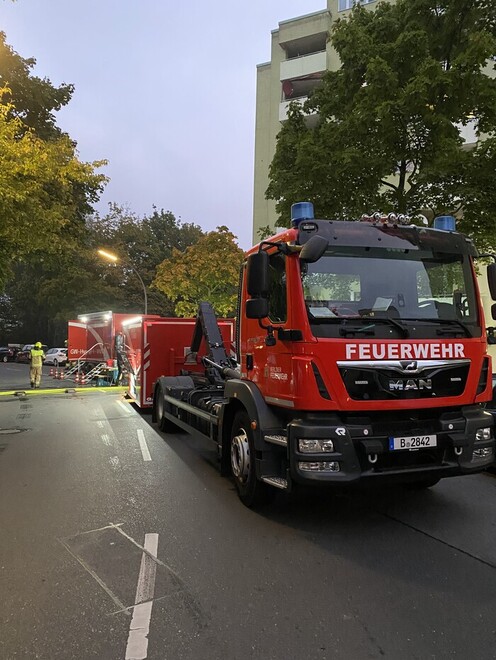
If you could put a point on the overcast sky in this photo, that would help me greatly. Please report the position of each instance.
(164, 90)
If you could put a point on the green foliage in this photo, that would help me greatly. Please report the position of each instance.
(48, 289)
(206, 271)
(37, 181)
(144, 243)
(388, 131)
(32, 99)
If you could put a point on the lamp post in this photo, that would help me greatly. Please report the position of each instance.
(114, 259)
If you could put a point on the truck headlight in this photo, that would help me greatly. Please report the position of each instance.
(484, 433)
(315, 446)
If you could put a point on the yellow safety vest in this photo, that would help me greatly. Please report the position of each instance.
(37, 356)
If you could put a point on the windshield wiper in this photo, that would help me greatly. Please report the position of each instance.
(366, 329)
(445, 331)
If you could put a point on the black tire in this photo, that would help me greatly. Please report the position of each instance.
(422, 484)
(164, 424)
(252, 493)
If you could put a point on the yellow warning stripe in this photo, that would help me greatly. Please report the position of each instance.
(63, 390)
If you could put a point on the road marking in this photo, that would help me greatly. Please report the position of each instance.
(124, 407)
(143, 446)
(100, 424)
(137, 641)
(91, 531)
(94, 575)
(106, 439)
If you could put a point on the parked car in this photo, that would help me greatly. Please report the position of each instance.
(24, 354)
(8, 353)
(56, 356)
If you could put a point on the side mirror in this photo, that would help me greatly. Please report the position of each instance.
(257, 275)
(491, 280)
(257, 308)
(314, 248)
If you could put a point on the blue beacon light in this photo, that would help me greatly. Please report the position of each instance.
(301, 211)
(445, 223)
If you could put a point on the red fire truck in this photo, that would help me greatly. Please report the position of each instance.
(361, 357)
(148, 347)
(156, 346)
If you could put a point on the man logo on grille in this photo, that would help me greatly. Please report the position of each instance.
(409, 366)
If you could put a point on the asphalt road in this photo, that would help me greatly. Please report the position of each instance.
(86, 482)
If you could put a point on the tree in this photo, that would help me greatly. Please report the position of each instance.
(142, 243)
(32, 99)
(46, 194)
(388, 130)
(206, 271)
(37, 184)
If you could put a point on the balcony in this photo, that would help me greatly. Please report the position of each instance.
(310, 120)
(303, 66)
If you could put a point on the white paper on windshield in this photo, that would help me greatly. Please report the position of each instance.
(321, 312)
(381, 304)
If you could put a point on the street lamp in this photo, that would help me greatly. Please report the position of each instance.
(114, 259)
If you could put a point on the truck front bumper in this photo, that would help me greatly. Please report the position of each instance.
(362, 448)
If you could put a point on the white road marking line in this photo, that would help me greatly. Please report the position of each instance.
(106, 439)
(90, 531)
(100, 424)
(124, 407)
(137, 641)
(143, 446)
(138, 545)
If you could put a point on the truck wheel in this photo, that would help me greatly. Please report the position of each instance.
(163, 423)
(252, 493)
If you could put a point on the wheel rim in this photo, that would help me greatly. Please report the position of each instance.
(55, 363)
(5, 358)
(240, 456)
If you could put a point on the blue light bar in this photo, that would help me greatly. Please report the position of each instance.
(301, 211)
(445, 223)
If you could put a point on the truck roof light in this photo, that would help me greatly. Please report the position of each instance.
(131, 321)
(301, 211)
(445, 223)
(382, 218)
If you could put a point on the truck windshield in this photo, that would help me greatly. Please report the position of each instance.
(389, 287)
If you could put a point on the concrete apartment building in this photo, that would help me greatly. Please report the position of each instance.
(300, 55)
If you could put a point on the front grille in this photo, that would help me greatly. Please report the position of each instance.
(375, 384)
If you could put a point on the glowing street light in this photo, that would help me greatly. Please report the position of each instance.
(114, 259)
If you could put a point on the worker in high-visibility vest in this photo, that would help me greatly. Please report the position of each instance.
(36, 363)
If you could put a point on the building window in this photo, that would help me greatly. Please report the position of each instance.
(348, 4)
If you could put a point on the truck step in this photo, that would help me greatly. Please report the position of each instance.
(277, 440)
(278, 482)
